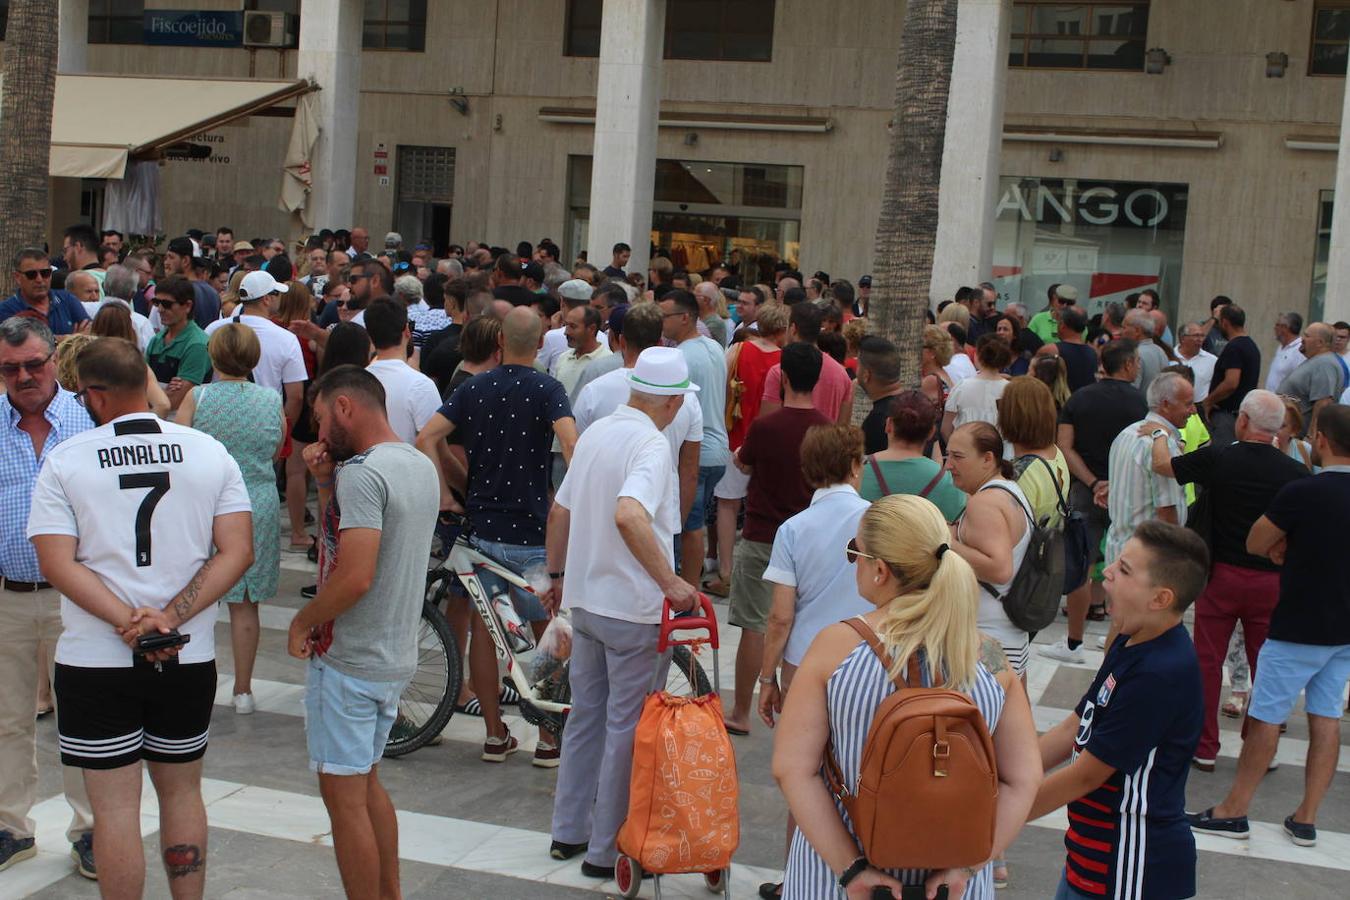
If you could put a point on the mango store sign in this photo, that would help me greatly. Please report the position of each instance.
(194, 28)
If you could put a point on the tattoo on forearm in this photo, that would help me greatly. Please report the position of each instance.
(991, 654)
(182, 860)
(187, 597)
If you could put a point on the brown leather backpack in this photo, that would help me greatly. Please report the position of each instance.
(928, 790)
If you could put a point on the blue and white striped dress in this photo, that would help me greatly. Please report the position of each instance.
(852, 696)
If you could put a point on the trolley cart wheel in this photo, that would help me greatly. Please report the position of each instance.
(717, 881)
(627, 876)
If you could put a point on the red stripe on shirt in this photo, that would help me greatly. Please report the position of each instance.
(1088, 842)
(1101, 807)
(1090, 864)
(1095, 823)
(1082, 884)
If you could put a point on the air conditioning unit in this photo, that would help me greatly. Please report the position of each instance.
(268, 29)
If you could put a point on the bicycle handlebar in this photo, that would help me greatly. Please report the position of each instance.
(706, 621)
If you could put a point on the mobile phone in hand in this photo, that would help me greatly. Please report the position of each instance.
(150, 643)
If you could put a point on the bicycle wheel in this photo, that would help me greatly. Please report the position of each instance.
(686, 676)
(428, 701)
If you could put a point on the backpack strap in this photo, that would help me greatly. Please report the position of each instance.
(881, 479)
(928, 488)
(1062, 504)
(1030, 524)
(912, 675)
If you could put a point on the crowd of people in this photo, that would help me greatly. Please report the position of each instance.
(636, 437)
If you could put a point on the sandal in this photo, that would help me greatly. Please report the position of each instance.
(1234, 705)
(717, 587)
(471, 708)
(509, 695)
(1096, 613)
(1000, 865)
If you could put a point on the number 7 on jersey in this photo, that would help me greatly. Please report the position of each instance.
(158, 483)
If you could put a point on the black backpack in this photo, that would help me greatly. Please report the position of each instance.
(1032, 600)
(1077, 553)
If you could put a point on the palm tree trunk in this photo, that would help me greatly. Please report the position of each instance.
(26, 123)
(903, 268)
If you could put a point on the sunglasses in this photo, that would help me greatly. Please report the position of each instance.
(341, 304)
(32, 366)
(851, 552)
(165, 304)
(81, 396)
(34, 274)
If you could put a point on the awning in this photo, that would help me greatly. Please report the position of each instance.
(101, 121)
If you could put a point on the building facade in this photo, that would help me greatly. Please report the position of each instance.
(1188, 145)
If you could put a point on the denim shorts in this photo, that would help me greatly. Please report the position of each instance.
(1283, 669)
(518, 557)
(708, 476)
(1066, 891)
(347, 720)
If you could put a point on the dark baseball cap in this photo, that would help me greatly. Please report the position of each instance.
(865, 281)
(533, 271)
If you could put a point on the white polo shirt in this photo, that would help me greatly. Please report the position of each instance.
(608, 392)
(281, 362)
(410, 398)
(141, 496)
(622, 455)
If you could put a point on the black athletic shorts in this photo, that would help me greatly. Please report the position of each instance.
(107, 718)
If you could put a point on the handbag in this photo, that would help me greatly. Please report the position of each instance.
(1077, 553)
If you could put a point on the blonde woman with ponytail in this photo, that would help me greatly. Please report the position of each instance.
(926, 603)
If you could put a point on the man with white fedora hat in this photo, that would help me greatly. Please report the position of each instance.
(611, 536)
(281, 366)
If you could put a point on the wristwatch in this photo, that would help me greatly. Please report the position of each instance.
(855, 869)
(768, 680)
(1157, 433)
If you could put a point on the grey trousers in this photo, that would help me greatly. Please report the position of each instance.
(612, 667)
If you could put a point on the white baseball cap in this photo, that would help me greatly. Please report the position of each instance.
(661, 371)
(259, 284)
(575, 289)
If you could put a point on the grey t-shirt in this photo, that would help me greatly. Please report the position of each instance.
(1314, 379)
(707, 361)
(392, 488)
(1152, 360)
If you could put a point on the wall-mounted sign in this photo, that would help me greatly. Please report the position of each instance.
(194, 28)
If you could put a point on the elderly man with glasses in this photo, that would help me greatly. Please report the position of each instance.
(38, 414)
(1192, 354)
(60, 311)
(177, 355)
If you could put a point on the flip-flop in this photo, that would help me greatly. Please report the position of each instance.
(739, 732)
(472, 708)
(509, 694)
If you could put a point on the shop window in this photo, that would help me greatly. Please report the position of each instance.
(1106, 238)
(395, 25)
(1330, 37)
(1326, 202)
(1051, 35)
(747, 215)
(116, 21)
(740, 30)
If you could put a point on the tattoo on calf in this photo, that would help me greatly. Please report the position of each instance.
(991, 654)
(182, 860)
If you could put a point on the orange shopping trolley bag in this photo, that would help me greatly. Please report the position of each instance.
(683, 810)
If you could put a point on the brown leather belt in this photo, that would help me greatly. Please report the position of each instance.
(23, 587)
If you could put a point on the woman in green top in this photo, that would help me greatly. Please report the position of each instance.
(902, 467)
(1026, 419)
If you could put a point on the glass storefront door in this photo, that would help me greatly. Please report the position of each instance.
(1106, 238)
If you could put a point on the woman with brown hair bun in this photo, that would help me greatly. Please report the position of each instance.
(903, 467)
(976, 399)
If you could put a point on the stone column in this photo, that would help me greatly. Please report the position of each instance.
(627, 105)
(72, 54)
(973, 147)
(330, 54)
(1337, 305)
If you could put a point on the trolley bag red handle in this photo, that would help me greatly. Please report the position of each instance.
(691, 621)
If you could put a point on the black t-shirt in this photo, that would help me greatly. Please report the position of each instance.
(1097, 413)
(441, 356)
(515, 294)
(1240, 482)
(1028, 342)
(1241, 353)
(615, 272)
(874, 426)
(1314, 514)
(1080, 362)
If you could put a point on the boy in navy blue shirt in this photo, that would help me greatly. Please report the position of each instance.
(1131, 737)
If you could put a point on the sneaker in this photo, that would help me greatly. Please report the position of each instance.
(591, 870)
(498, 749)
(560, 851)
(14, 849)
(547, 756)
(1060, 650)
(308, 591)
(82, 851)
(1274, 764)
(1201, 764)
(1101, 642)
(1302, 834)
(244, 705)
(1205, 823)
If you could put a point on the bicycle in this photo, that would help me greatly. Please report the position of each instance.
(428, 701)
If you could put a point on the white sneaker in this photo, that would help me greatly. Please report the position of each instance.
(244, 705)
(1101, 642)
(1060, 650)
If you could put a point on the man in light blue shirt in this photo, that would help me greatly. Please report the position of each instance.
(707, 364)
